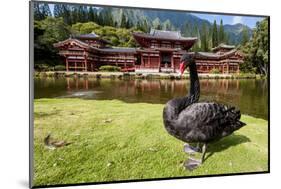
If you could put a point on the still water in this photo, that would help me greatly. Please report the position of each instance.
(250, 95)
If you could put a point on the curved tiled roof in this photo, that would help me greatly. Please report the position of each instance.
(215, 55)
(118, 49)
(87, 36)
(69, 40)
(223, 46)
(161, 34)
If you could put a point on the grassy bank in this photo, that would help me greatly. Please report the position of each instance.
(113, 140)
(133, 75)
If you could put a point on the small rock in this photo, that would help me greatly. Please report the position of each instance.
(109, 164)
(107, 120)
(152, 149)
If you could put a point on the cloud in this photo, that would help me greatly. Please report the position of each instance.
(237, 19)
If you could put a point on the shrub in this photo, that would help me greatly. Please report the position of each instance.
(60, 68)
(109, 69)
(215, 71)
(42, 67)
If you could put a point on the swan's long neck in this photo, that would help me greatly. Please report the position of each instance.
(194, 92)
(175, 106)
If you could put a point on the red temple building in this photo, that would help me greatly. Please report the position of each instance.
(88, 52)
(224, 58)
(159, 51)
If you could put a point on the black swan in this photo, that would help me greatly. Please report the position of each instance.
(198, 122)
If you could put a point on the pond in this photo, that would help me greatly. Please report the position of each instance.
(250, 95)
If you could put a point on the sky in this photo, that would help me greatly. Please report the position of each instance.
(249, 21)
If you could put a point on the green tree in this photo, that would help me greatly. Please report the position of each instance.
(66, 14)
(123, 21)
(167, 25)
(74, 14)
(45, 10)
(91, 16)
(256, 50)
(186, 29)
(37, 13)
(204, 38)
(129, 24)
(215, 35)
(41, 11)
(156, 23)
(197, 46)
(58, 10)
(145, 26)
(106, 18)
(245, 36)
(221, 38)
(85, 28)
(46, 33)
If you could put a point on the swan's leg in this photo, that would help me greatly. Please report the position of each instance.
(192, 164)
(204, 149)
(190, 149)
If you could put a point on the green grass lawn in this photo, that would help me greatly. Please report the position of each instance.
(113, 140)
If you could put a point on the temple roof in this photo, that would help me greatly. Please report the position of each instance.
(165, 34)
(70, 40)
(223, 46)
(91, 36)
(118, 49)
(87, 36)
(212, 55)
(161, 34)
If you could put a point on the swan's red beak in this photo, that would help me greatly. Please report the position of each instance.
(182, 67)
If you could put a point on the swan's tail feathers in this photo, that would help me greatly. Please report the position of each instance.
(232, 118)
(232, 114)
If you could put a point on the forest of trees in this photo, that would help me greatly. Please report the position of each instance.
(256, 50)
(65, 20)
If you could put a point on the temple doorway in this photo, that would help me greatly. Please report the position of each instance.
(165, 60)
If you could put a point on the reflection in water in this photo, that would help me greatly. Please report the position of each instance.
(251, 96)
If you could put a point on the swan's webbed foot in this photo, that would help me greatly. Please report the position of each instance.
(190, 149)
(192, 164)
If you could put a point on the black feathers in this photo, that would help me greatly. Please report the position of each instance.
(192, 121)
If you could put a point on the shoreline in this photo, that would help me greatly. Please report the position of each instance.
(134, 75)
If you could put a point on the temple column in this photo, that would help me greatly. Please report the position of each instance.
(142, 64)
(149, 60)
(75, 66)
(159, 63)
(227, 68)
(172, 63)
(85, 65)
(66, 64)
(92, 66)
(238, 69)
